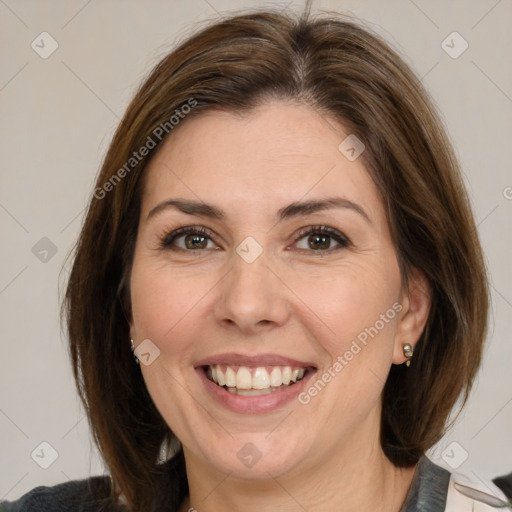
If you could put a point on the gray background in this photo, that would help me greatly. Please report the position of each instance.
(57, 118)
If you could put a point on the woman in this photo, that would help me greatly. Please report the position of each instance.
(281, 235)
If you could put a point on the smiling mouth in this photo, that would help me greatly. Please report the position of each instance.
(254, 381)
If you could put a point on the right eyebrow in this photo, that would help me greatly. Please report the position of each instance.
(189, 207)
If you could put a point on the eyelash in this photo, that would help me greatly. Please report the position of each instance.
(342, 240)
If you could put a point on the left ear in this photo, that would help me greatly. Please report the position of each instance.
(416, 302)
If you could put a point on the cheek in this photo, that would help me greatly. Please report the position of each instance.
(356, 312)
(167, 304)
(164, 304)
(356, 301)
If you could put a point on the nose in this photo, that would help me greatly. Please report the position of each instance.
(252, 297)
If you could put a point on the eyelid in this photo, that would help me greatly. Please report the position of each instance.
(169, 236)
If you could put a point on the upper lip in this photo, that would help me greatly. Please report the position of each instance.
(253, 361)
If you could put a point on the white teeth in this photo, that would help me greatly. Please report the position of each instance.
(260, 381)
(254, 392)
(220, 376)
(286, 375)
(275, 377)
(230, 377)
(243, 379)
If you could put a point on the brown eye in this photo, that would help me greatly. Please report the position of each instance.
(195, 241)
(321, 239)
(191, 239)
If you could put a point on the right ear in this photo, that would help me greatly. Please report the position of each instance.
(416, 303)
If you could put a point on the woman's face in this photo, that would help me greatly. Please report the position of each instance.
(282, 269)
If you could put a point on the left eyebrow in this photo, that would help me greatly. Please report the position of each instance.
(309, 207)
(295, 209)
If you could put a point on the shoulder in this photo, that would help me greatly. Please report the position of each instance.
(434, 489)
(91, 494)
(87, 495)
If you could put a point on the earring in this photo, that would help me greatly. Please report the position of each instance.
(408, 351)
(136, 359)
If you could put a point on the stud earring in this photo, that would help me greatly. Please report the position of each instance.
(408, 351)
(136, 359)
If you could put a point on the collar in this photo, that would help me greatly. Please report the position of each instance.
(429, 488)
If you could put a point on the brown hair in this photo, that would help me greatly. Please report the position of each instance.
(341, 69)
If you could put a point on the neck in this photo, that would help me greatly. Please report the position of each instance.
(353, 478)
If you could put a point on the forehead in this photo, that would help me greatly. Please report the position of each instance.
(272, 155)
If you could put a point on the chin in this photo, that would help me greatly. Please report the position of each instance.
(255, 456)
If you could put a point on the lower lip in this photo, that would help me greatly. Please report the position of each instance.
(254, 404)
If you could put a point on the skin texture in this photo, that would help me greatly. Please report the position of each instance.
(292, 301)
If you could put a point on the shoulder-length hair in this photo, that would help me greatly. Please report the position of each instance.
(337, 67)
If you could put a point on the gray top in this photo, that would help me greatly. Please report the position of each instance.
(427, 493)
(429, 488)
